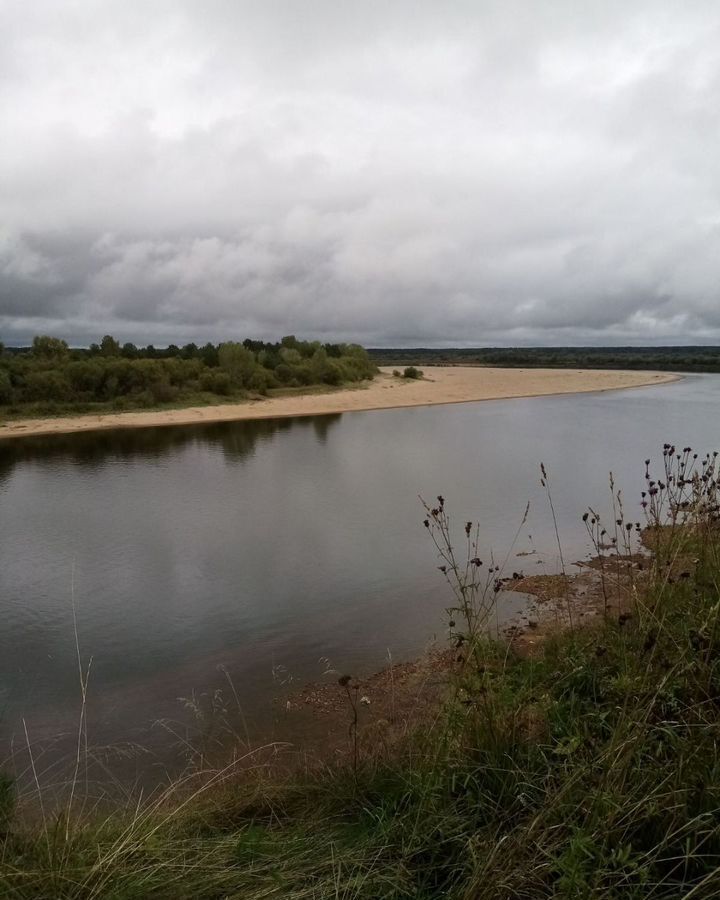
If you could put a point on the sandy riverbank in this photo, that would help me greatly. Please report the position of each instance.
(442, 384)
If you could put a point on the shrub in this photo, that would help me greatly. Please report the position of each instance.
(46, 347)
(5, 387)
(215, 382)
(86, 378)
(237, 361)
(52, 374)
(412, 372)
(304, 374)
(332, 373)
(262, 380)
(284, 373)
(163, 392)
(47, 385)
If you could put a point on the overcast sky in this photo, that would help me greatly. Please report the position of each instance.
(396, 172)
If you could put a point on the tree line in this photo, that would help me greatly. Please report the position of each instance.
(679, 359)
(50, 375)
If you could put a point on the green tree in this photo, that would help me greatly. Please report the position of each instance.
(109, 346)
(46, 347)
(5, 387)
(215, 382)
(48, 385)
(291, 356)
(237, 361)
(268, 359)
(209, 355)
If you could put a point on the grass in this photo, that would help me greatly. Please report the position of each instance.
(47, 410)
(590, 769)
(50, 410)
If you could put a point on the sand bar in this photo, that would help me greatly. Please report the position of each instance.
(442, 384)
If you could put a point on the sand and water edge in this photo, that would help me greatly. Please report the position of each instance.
(440, 384)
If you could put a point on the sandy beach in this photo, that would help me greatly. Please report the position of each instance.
(441, 384)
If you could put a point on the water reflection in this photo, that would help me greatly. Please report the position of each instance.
(93, 449)
(265, 546)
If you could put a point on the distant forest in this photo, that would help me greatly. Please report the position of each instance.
(50, 377)
(680, 359)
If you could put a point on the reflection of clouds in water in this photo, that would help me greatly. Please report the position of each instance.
(92, 450)
(302, 548)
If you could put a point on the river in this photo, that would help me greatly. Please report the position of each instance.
(263, 552)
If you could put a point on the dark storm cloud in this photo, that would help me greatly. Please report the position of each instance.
(405, 172)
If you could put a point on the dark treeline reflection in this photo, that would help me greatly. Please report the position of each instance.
(255, 556)
(93, 449)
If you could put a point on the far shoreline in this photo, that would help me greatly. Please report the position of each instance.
(441, 385)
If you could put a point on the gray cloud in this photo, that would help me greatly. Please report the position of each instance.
(405, 173)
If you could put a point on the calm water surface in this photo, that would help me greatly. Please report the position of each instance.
(262, 548)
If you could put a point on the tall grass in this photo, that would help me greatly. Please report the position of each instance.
(589, 769)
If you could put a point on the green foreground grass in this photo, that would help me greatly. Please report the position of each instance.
(589, 770)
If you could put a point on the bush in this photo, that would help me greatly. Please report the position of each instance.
(412, 372)
(163, 392)
(237, 361)
(284, 373)
(215, 382)
(86, 378)
(333, 373)
(5, 387)
(46, 347)
(304, 375)
(47, 385)
(52, 374)
(262, 380)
